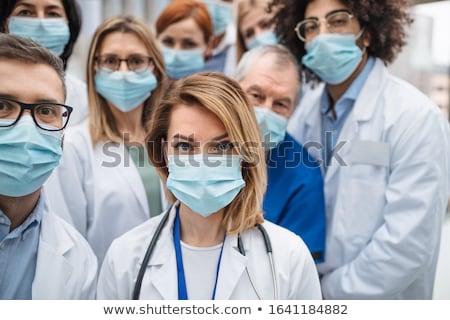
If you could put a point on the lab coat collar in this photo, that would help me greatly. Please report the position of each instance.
(52, 268)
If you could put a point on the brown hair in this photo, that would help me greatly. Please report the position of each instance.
(179, 10)
(225, 98)
(101, 121)
(244, 7)
(26, 50)
(383, 20)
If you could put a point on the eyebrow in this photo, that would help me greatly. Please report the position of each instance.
(8, 96)
(30, 5)
(191, 139)
(255, 87)
(330, 13)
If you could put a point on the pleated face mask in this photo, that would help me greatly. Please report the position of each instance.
(27, 158)
(51, 33)
(205, 183)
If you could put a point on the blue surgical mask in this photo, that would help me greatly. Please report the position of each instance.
(272, 127)
(221, 14)
(264, 38)
(125, 89)
(51, 33)
(27, 158)
(182, 63)
(205, 183)
(333, 57)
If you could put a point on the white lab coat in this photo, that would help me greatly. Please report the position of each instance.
(76, 98)
(66, 267)
(97, 189)
(385, 206)
(295, 270)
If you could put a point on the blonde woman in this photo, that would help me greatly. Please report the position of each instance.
(106, 183)
(255, 25)
(213, 243)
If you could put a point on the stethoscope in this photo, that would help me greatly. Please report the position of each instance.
(240, 244)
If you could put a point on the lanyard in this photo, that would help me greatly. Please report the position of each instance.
(182, 291)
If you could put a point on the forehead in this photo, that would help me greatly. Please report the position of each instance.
(320, 8)
(40, 3)
(30, 83)
(194, 120)
(122, 42)
(183, 28)
(272, 77)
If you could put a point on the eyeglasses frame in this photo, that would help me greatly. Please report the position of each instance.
(31, 107)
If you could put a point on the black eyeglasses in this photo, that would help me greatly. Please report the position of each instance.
(48, 116)
(135, 62)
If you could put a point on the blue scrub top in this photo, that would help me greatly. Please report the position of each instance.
(295, 196)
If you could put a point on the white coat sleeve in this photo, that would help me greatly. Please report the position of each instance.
(416, 196)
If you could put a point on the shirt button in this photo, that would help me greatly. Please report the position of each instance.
(1, 246)
(2, 220)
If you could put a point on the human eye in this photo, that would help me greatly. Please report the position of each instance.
(136, 62)
(220, 147)
(338, 20)
(48, 110)
(109, 61)
(255, 97)
(54, 14)
(265, 24)
(168, 42)
(249, 33)
(182, 147)
(23, 13)
(310, 27)
(6, 107)
(189, 44)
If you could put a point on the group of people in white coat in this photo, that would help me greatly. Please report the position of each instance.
(165, 195)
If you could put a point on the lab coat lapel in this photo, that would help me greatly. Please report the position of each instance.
(52, 269)
(231, 269)
(164, 278)
(127, 170)
(363, 111)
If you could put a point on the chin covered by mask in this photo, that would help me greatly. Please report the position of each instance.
(51, 33)
(272, 126)
(333, 57)
(125, 89)
(27, 158)
(203, 182)
(265, 38)
(182, 63)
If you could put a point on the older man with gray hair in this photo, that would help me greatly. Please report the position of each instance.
(270, 76)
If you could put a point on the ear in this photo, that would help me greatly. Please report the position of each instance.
(367, 39)
(4, 27)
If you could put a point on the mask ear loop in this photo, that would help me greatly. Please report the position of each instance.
(358, 36)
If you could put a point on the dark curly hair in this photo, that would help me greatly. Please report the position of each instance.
(384, 20)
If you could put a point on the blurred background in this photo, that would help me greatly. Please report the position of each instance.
(424, 62)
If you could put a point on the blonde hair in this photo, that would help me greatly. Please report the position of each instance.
(102, 125)
(244, 8)
(225, 98)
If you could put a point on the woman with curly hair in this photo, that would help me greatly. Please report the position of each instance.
(383, 147)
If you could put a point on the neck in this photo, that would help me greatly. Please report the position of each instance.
(199, 231)
(336, 91)
(129, 124)
(17, 209)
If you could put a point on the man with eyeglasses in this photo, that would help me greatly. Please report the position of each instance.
(384, 148)
(41, 256)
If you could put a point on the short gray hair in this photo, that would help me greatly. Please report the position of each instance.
(283, 59)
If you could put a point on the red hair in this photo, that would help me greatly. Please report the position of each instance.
(179, 10)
